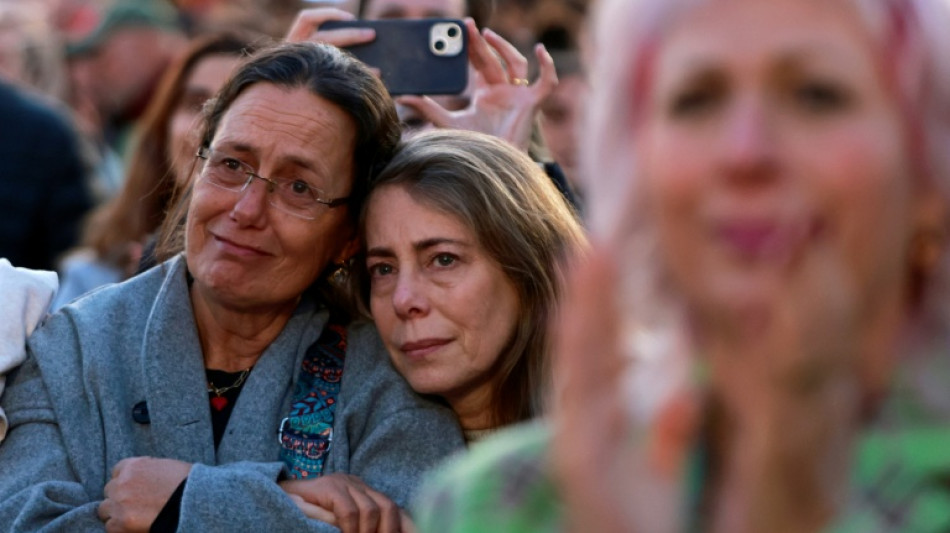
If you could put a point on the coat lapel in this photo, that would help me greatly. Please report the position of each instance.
(175, 385)
(267, 394)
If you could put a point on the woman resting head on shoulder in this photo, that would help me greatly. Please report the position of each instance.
(768, 185)
(228, 368)
(464, 246)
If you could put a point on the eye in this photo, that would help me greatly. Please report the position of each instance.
(299, 187)
(445, 260)
(230, 163)
(378, 270)
(821, 96)
(695, 101)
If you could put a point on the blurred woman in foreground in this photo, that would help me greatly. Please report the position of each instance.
(768, 182)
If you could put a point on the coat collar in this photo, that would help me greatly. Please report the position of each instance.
(176, 388)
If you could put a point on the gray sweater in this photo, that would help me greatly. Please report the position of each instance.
(70, 409)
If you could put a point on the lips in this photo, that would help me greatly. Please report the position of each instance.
(421, 348)
(764, 239)
(237, 248)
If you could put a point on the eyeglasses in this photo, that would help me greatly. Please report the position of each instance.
(293, 195)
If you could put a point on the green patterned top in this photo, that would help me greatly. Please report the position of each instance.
(901, 475)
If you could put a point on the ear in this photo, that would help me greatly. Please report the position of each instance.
(348, 250)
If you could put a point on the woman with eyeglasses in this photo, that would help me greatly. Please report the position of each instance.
(227, 388)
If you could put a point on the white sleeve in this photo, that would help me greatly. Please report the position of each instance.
(26, 298)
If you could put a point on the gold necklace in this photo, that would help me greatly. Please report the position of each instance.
(218, 402)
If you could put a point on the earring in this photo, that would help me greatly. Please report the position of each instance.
(340, 274)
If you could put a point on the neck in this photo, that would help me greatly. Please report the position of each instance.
(473, 409)
(234, 339)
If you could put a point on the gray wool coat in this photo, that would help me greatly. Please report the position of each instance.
(70, 409)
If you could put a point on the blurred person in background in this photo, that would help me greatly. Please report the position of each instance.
(161, 158)
(44, 193)
(562, 114)
(759, 342)
(31, 49)
(116, 69)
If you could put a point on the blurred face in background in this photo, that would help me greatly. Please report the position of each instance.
(128, 65)
(561, 116)
(761, 163)
(204, 80)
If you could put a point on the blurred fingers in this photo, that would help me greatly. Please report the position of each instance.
(428, 108)
(516, 63)
(482, 57)
(306, 27)
(547, 74)
(308, 21)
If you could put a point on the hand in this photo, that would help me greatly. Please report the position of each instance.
(347, 503)
(502, 103)
(306, 27)
(613, 475)
(139, 489)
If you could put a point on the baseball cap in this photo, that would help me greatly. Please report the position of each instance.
(126, 14)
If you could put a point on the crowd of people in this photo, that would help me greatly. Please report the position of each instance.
(672, 266)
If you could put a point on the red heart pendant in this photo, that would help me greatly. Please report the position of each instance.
(219, 402)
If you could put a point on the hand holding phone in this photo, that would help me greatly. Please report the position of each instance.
(426, 56)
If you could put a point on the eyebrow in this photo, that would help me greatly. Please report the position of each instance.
(382, 251)
(313, 166)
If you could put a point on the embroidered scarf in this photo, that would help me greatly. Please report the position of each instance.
(306, 434)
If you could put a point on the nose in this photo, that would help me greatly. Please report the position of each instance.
(748, 140)
(251, 206)
(409, 298)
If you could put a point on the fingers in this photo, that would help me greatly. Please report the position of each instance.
(104, 510)
(516, 63)
(428, 108)
(482, 56)
(547, 74)
(306, 27)
(353, 506)
(314, 511)
(365, 517)
(391, 516)
(589, 325)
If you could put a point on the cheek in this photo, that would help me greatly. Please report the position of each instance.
(311, 250)
(676, 176)
(866, 188)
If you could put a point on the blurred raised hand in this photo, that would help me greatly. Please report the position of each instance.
(614, 475)
(306, 27)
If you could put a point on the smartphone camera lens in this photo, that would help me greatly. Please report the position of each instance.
(439, 45)
(453, 32)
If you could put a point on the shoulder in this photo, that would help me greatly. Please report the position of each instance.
(26, 111)
(501, 483)
(105, 313)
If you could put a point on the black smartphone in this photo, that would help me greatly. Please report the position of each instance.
(425, 56)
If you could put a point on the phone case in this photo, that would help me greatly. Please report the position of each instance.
(427, 56)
